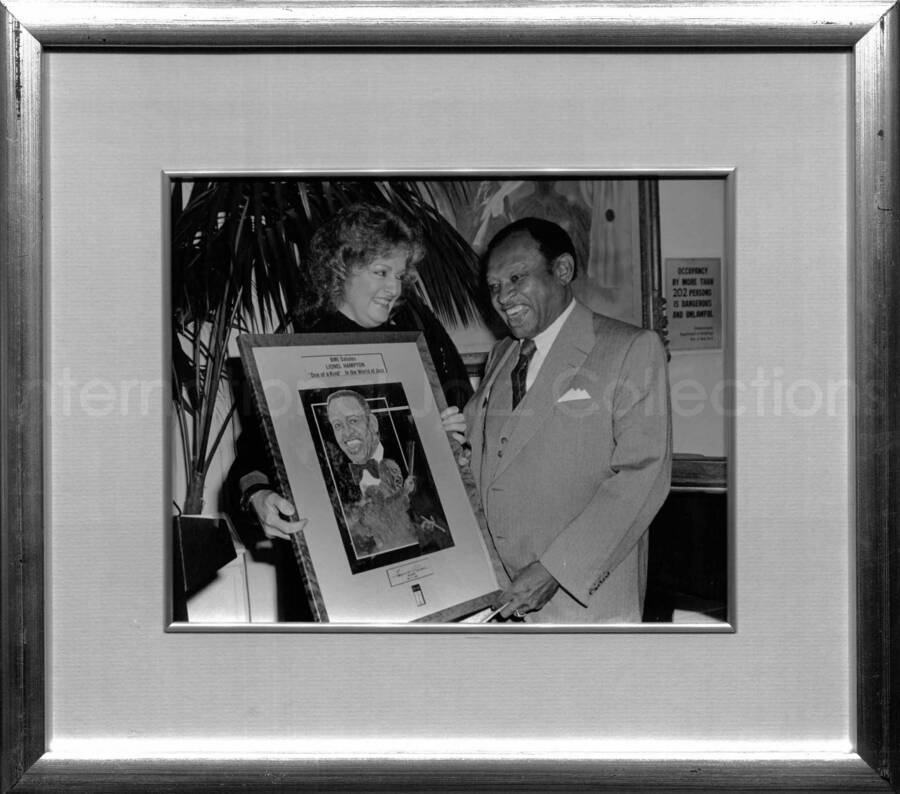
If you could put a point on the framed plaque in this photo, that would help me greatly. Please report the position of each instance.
(682, 713)
(398, 541)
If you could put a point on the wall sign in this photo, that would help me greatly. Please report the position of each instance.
(694, 303)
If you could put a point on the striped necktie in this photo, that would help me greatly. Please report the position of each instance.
(520, 371)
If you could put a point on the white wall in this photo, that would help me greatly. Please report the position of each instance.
(692, 224)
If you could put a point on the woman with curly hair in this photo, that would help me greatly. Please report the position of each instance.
(361, 263)
(362, 244)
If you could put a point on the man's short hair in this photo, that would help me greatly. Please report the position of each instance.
(552, 240)
(348, 393)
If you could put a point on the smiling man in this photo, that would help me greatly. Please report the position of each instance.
(570, 434)
(378, 517)
(384, 510)
(354, 426)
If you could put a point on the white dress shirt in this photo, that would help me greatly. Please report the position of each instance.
(543, 342)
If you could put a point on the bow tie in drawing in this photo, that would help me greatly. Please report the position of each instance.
(371, 466)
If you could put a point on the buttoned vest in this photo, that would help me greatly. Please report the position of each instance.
(498, 423)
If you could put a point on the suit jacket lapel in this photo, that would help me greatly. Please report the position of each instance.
(482, 396)
(575, 340)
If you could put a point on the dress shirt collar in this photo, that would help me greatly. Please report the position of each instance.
(543, 342)
(545, 339)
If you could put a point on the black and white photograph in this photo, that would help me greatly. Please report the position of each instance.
(576, 327)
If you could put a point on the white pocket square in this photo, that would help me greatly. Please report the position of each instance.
(574, 394)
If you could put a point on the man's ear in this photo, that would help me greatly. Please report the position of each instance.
(564, 268)
(373, 424)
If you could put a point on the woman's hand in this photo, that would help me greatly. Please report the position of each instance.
(454, 423)
(276, 515)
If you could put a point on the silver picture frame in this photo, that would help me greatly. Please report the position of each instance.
(868, 30)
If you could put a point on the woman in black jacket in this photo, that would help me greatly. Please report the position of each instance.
(360, 264)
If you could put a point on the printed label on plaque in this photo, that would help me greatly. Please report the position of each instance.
(345, 364)
(403, 574)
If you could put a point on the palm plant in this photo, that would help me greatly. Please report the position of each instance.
(238, 265)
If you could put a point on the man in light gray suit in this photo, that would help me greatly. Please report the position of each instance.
(570, 436)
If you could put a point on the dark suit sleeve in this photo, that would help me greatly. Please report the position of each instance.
(591, 546)
(252, 464)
